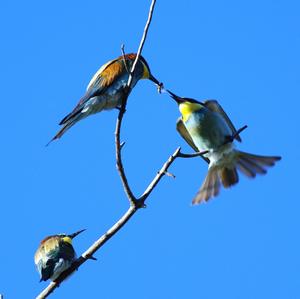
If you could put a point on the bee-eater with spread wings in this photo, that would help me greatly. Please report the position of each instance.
(206, 127)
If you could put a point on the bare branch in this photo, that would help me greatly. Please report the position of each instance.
(159, 175)
(237, 133)
(140, 202)
(142, 42)
(164, 171)
(132, 199)
(134, 203)
(193, 155)
(119, 162)
(88, 254)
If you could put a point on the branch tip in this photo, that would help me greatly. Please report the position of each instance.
(122, 144)
(169, 174)
(124, 60)
(235, 135)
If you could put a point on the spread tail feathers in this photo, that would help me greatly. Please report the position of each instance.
(250, 164)
(227, 174)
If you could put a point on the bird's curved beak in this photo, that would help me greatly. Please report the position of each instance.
(75, 234)
(178, 99)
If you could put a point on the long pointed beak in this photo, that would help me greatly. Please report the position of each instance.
(175, 97)
(77, 233)
(153, 79)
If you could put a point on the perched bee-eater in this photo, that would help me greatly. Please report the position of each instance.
(55, 255)
(206, 127)
(105, 90)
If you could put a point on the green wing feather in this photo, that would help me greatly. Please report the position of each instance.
(214, 106)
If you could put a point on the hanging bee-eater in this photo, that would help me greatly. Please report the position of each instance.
(206, 127)
(105, 90)
(55, 255)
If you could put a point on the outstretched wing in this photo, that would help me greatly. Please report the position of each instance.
(214, 106)
(187, 137)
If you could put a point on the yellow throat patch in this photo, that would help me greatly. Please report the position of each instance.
(187, 108)
(67, 240)
(146, 73)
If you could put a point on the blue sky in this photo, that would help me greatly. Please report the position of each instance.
(242, 244)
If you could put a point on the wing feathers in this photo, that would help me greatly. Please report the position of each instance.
(187, 137)
(214, 106)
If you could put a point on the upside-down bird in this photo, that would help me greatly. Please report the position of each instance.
(206, 127)
(106, 89)
(55, 255)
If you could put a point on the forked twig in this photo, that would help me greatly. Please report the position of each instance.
(116, 227)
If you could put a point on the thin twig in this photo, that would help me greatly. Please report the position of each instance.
(169, 174)
(193, 155)
(164, 171)
(124, 59)
(239, 131)
(142, 42)
(234, 136)
(159, 175)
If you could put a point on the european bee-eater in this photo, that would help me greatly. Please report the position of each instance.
(206, 127)
(55, 255)
(105, 90)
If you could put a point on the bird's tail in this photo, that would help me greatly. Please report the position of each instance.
(66, 126)
(227, 175)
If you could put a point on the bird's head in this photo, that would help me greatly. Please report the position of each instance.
(144, 69)
(180, 100)
(186, 105)
(69, 238)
